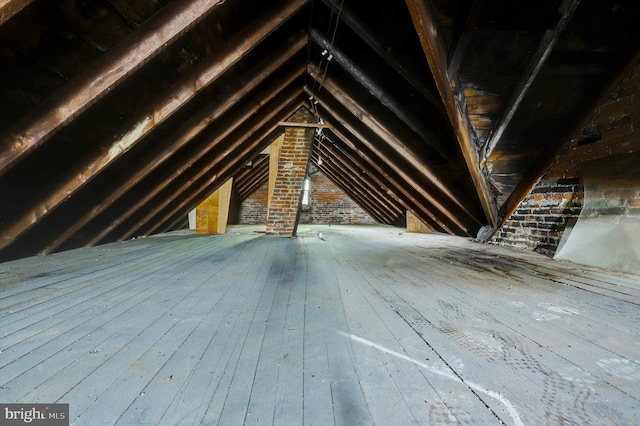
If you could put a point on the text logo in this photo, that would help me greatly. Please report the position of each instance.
(34, 414)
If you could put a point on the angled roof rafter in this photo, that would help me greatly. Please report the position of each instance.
(463, 220)
(173, 100)
(190, 129)
(367, 171)
(422, 14)
(355, 194)
(281, 109)
(359, 145)
(99, 78)
(341, 164)
(368, 36)
(548, 41)
(184, 168)
(379, 92)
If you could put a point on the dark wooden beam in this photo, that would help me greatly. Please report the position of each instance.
(192, 128)
(381, 94)
(353, 190)
(449, 201)
(343, 164)
(378, 162)
(368, 36)
(9, 8)
(251, 144)
(378, 185)
(547, 158)
(354, 193)
(174, 99)
(260, 180)
(546, 45)
(351, 187)
(98, 78)
(246, 186)
(249, 170)
(249, 109)
(423, 16)
(463, 41)
(284, 105)
(359, 164)
(259, 141)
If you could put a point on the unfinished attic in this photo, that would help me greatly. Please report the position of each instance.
(320, 212)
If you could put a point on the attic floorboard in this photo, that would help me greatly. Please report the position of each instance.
(371, 325)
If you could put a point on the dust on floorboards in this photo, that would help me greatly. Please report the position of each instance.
(369, 325)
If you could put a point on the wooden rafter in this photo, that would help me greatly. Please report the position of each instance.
(282, 101)
(9, 8)
(368, 36)
(254, 141)
(363, 167)
(380, 93)
(172, 101)
(421, 12)
(344, 166)
(449, 202)
(377, 161)
(546, 45)
(191, 201)
(99, 78)
(353, 192)
(189, 130)
(549, 155)
(249, 109)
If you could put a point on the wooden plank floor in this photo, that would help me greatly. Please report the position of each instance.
(369, 326)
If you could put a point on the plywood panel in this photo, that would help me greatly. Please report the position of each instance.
(213, 213)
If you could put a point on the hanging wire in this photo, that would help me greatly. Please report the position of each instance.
(325, 59)
(324, 53)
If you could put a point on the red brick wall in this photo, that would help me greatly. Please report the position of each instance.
(253, 209)
(329, 205)
(291, 171)
(611, 133)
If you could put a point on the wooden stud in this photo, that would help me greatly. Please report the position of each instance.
(274, 157)
(414, 224)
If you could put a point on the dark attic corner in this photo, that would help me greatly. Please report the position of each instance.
(320, 212)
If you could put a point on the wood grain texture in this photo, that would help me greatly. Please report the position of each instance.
(371, 325)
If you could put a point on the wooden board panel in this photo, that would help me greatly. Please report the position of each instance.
(369, 325)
